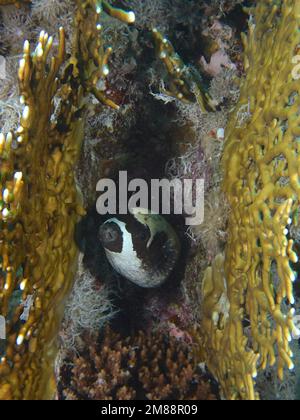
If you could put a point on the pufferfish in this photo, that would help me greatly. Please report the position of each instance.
(142, 247)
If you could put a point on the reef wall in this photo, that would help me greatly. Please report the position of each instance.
(247, 301)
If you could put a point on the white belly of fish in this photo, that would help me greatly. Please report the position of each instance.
(129, 265)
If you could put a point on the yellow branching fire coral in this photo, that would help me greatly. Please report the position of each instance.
(90, 60)
(39, 204)
(248, 295)
(39, 207)
(247, 313)
(184, 83)
(16, 2)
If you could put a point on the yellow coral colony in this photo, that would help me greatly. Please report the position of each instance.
(184, 83)
(248, 301)
(39, 204)
(15, 2)
(38, 212)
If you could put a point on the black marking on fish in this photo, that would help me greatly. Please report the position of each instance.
(161, 255)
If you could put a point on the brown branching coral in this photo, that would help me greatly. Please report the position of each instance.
(142, 366)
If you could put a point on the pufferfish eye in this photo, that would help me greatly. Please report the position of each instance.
(108, 233)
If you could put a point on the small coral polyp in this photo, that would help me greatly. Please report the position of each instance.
(261, 179)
